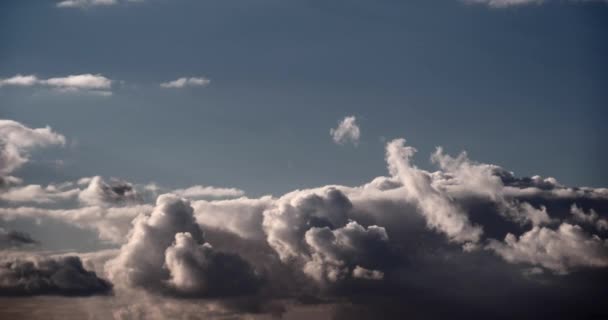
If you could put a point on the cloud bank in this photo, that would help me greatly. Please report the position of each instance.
(397, 245)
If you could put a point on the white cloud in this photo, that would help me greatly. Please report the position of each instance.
(87, 83)
(590, 218)
(510, 3)
(440, 211)
(186, 82)
(346, 132)
(197, 192)
(85, 3)
(362, 273)
(559, 250)
(16, 140)
(166, 252)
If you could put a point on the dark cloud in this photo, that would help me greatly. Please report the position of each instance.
(28, 276)
(13, 238)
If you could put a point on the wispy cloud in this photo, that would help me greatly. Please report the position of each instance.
(88, 83)
(187, 82)
(85, 3)
(511, 3)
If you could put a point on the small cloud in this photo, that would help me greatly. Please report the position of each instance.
(95, 84)
(347, 132)
(85, 3)
(186, 82)
(512, 3)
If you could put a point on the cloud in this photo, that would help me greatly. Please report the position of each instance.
(37, 194)
(440, 211)
(100, 193)
(387, 246)
(346, 132)
(12, 238)
(186, 82)
(166, 253)
(85, 3)
(510, 3)
(34, 275)
(16, 140)
(197, 192)
(559, 250)
(86, 83)
(589, 218)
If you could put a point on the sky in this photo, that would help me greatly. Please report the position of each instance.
(296, 159)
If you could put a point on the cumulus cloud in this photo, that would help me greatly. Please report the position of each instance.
(408, 232)
(186, 82)
(346, 132)
(589, 218)
(440, 211)
(34, 275)
(559, 250)
(166, 253)
(17, 140)
(338, 253)
(87, 83)
(242, 216)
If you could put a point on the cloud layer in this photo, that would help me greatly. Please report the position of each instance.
(400, 237)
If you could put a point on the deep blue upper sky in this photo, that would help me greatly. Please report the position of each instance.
(522, 87)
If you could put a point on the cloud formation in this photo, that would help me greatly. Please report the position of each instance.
(346, 132)
(166, 253)
(33, 275)
(401, 235)
(559, 250)
(86, 83)
(17, 140)
(186, 82)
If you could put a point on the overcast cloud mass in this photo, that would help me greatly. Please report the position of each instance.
(210, 211)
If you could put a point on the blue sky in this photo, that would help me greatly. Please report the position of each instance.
(522, 87)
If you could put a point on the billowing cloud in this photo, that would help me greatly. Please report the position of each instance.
(186, 82)
(559, 250)
(401, 235)
(347, 131)
(440, 211)
(87, 83)
(589, 218)
(17, 140)
(33, 275)
(166, 253)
